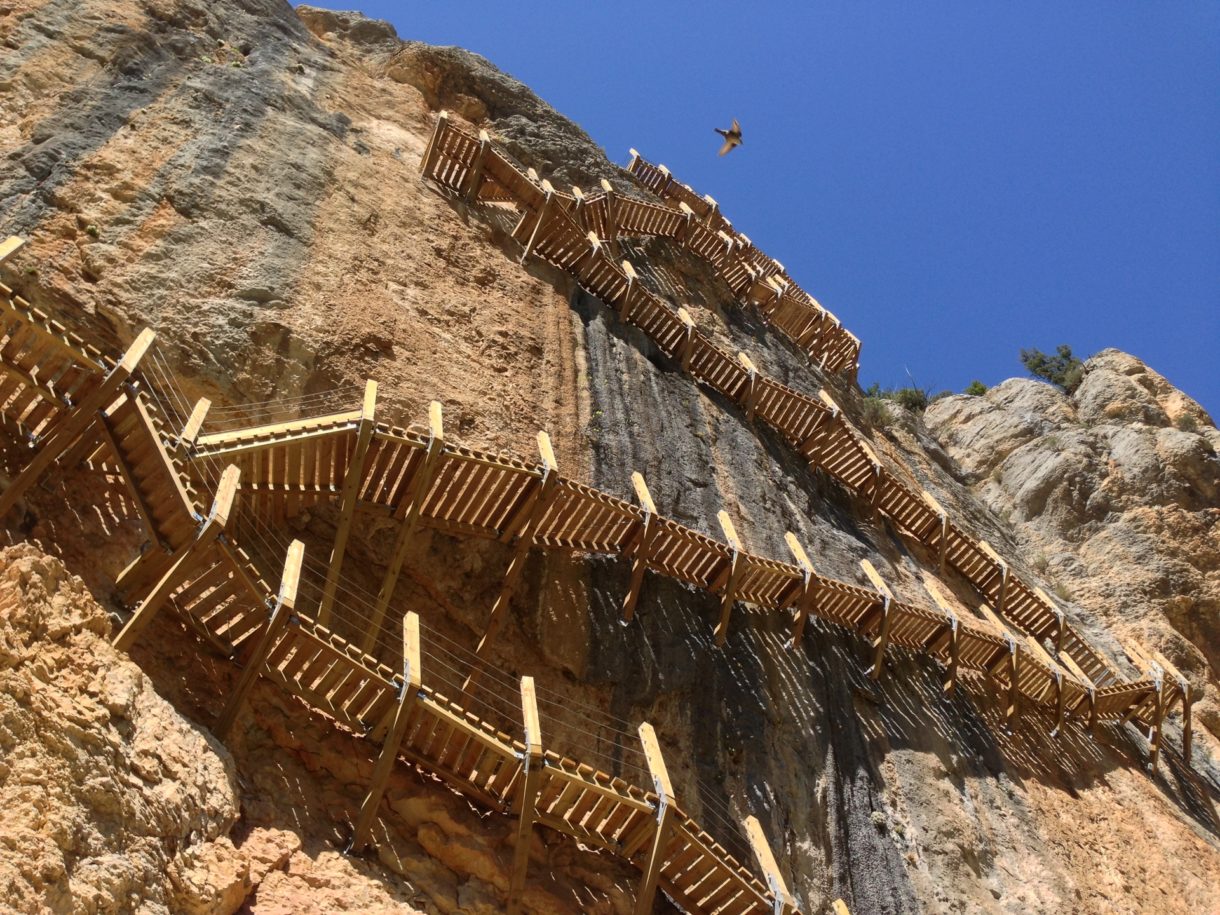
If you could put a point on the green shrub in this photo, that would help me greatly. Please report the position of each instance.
(976, 388)
(1063, 370)
(1187, 423)
(875, 413)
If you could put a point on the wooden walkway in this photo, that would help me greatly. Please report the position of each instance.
(70, 404)
(1047, 659)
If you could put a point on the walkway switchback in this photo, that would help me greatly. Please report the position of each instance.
(70, 405)
(375, 669)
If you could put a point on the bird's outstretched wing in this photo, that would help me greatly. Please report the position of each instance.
(736, 128)
(728, 145)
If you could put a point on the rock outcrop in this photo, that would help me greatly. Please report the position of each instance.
(1113, 492)
(245, 178)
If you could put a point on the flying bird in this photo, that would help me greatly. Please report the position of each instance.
(732, 137)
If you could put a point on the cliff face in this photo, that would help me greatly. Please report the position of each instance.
(245, 179)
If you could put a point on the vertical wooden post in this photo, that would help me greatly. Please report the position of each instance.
(784, 904)
(686, 348)
(474, 180)
(533, 763)
(412, 680)
(665, 805)
(611, 211)
(805, 603)
(407, 513)
(887, 619)
(183, 561)
(523, 527)
(281, 613)
(643, 545)
(749, 398)
(1070, 665)
(428, 162)
(633, 280)
(353, 479)
(729, 595)
(194, 425)
(74, 422)
(1036, 648)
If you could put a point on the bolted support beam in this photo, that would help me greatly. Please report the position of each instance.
(1012, 662)
(522, 527)
(408, 694)
(352, 481)
(887, 618)
(407, 513)
(533, 762)
(547, 204)
(184, 560)
(948, 635)
(651, 866)
(281, 613)
(72, 425)
(642, 546)
(733, 579)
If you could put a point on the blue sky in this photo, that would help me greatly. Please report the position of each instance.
(954, 180)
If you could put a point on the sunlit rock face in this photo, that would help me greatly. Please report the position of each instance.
(245, 178)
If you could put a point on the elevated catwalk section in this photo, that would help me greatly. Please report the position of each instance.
(566, 229)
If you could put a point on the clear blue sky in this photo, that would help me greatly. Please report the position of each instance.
(955, 180)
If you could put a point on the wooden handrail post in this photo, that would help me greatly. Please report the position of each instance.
(433, 149)
(522, 527)
(281, 613)
(183, 561)
(353, 479)
(887, 618)
(809, 592)
(72, 425)
(664, 814)
(194, 425)
(642, 547)
(415, 491)
(686, 348)
(784, 904)
(408, 694)
(533, 763)
(1012, 661)
(732, 577)
(633, 281)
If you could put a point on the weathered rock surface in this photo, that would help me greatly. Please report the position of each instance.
(1113, 491)
(104, 786)
(245, 179)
